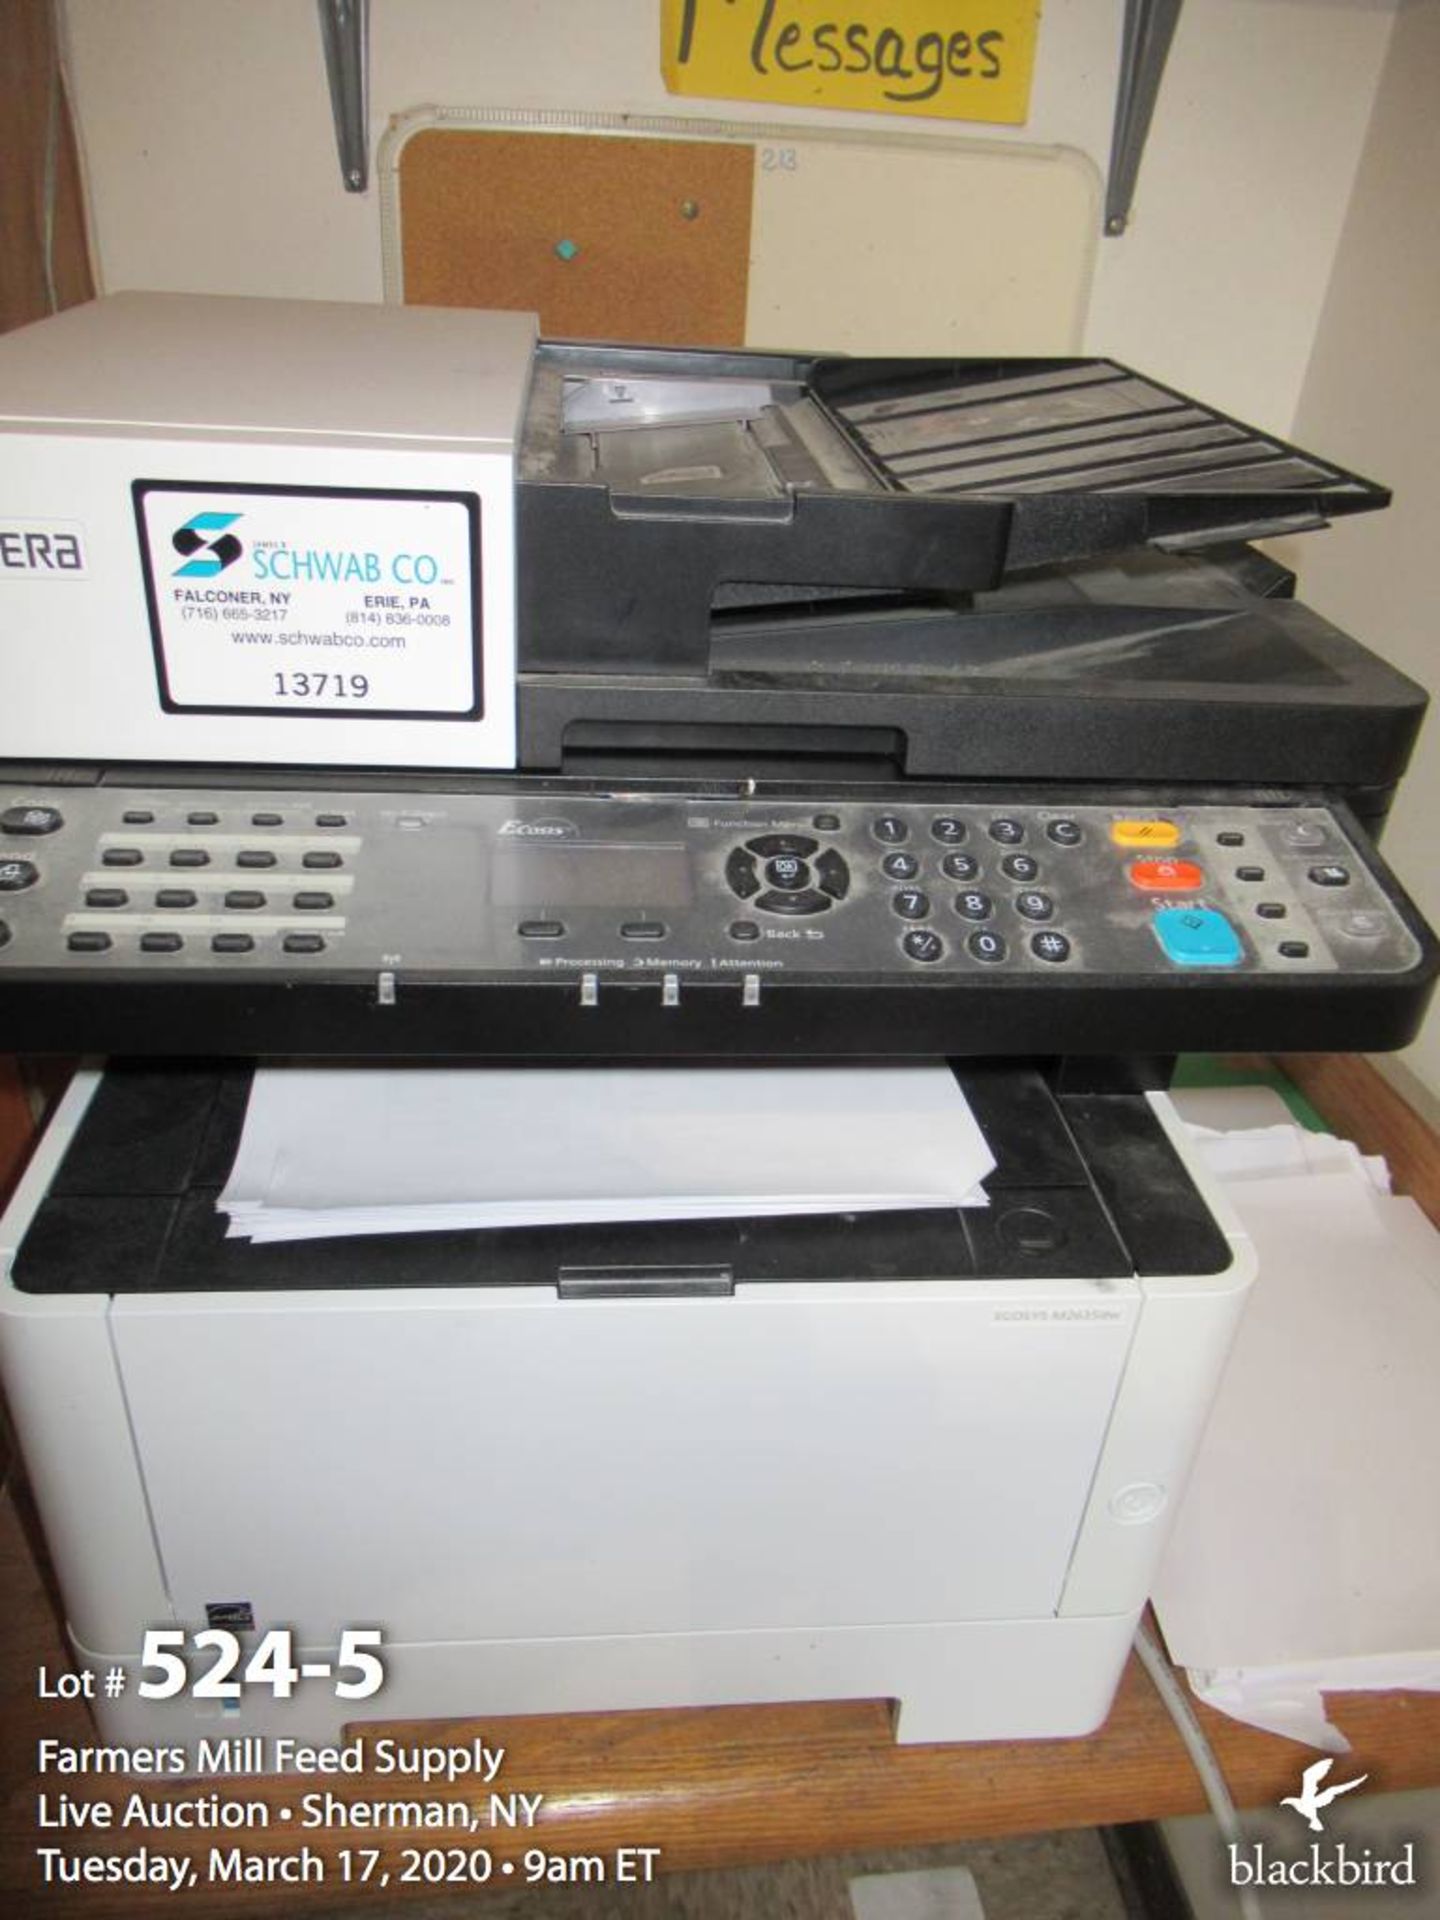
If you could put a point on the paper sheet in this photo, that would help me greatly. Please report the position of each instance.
(1306, 1554)
(1258, 1153)
(1290, 1700)
(346, 1150)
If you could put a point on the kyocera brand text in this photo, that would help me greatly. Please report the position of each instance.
(33, 550)
(343, 563)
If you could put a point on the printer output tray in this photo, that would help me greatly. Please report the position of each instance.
(1085, 1184)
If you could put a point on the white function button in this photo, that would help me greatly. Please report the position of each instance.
(1132, 1506)
(1362, 925)
(1304, 834)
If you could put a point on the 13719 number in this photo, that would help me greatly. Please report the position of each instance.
(322, 686)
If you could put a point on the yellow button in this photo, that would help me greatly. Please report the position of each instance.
(1145, 833)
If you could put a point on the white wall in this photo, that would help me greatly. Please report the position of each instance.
(206, 127)
(1371, 398)
(1242, 192)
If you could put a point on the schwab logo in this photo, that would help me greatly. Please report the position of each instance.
(1341, 1866)
(207, 547)
(536, 829)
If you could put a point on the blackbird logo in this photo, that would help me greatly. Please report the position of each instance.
(1312, 1796)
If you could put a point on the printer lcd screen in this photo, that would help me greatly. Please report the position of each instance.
(590, 874)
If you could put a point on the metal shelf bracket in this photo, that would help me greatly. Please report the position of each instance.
(345, 31)
(1149, 29)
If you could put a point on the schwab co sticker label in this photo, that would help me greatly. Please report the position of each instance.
(329, 603)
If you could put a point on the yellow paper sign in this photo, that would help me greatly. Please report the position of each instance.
(952, 59)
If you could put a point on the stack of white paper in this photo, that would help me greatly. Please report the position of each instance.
(349, 1150)
(1306, 1556)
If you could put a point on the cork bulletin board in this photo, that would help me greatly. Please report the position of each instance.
(711, 233)
(653, 236)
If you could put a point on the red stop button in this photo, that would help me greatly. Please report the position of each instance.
(1167, 876)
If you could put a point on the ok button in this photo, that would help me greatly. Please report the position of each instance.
(787, 871)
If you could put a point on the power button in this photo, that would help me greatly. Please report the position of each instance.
(1141, 1501)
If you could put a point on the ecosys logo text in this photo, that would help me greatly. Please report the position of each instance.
(536, 829)
(207, 547)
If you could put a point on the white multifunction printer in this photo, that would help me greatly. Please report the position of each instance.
(383, 684)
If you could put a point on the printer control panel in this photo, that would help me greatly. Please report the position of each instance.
(598, 884)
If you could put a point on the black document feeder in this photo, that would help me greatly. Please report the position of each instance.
(858, 477)
(1054, 585)
(1086, 1185)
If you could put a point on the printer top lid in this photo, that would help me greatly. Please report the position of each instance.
(186, 363)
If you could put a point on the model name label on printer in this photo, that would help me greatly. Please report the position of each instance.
(326, 604)
(42, 549)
